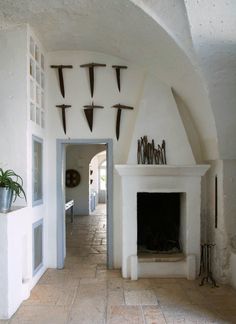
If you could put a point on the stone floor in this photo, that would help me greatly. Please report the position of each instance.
(85, 292)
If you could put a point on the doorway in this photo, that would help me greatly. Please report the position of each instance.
(61, 168)
(98, 182)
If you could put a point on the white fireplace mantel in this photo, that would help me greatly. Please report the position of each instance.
(185, 179)
(197, 170)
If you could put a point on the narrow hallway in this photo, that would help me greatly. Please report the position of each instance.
(86, 241)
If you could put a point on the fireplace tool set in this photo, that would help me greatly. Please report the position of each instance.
(205, 265)
(89, 109)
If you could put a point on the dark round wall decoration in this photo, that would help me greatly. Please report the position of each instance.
(72, 178)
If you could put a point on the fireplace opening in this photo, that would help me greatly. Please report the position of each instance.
(158, 218)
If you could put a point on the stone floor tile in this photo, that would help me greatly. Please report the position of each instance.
(81, 266)
(78, 252)
(101, 266)
(153, 315)
(107, 274)
(4, 321)
(225, 303)
(52, 295)
(190, 314)
(91, 289)
(86, 292)
(172, 295)
(88, 310)
(92, 281)
(224, 312)
(115, 297)
(137, 284)
(196, 297)
(115, 283)
(164, 281)
(35, 314)
(140, 297)
(222, 290)
(96, 258)
(124, 314)
(54, 277)
(228, 318)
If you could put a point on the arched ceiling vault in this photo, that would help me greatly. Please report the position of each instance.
(123, 29)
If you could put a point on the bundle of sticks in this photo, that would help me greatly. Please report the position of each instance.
(148, 154)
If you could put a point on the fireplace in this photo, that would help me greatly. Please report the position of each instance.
(179, 186)
(158, 222)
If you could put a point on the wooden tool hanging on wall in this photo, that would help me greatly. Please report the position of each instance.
(91, 67)
(118, 68)
(63, 114)
(120, 107)
(89, 114)
(60, 76)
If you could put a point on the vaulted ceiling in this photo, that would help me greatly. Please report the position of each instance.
(153, 34)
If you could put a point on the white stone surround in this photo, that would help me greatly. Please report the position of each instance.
(161, 178)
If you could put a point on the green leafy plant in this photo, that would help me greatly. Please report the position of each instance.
(9, 179)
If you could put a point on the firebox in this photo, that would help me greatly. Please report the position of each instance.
(158, 219)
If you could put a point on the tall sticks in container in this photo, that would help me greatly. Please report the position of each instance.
(148, 154)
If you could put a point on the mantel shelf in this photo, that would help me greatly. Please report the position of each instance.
(196, 170)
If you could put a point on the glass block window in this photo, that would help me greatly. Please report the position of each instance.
(36, 83)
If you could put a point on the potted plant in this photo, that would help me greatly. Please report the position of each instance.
(11, 187)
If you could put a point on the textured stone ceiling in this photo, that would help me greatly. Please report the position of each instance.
(115, 27)
(119, 28)
(98, 25)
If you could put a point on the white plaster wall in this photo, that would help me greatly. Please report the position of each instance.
(233, 269)
(78, 157)
(224, 235)
(94, 165)
(16, 153)
(13, 102)
(102, 195)
(216, 235)
(3, 271)
(101, 158)
(13, 227)
(94, 176)
(229, 187)
(153, 34)
(213, 27)
(190, 127)
(176, 23)
(159, 119)
(106, 93)
(78, 94)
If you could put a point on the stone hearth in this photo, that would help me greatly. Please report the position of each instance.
(185, 180)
